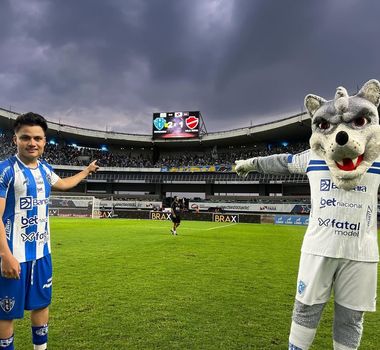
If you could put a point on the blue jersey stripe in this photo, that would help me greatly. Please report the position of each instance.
(317, 168)
(373, 171)
(376, 164)
(317, 162)
(290, 158)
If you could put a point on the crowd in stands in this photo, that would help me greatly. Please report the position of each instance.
(71, 155)
(226, 156)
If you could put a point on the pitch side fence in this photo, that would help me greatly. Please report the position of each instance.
(91, 207)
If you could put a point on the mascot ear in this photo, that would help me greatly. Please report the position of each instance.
(371, 91)
(313, 103)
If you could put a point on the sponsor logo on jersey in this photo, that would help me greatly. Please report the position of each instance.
(7, 304)
(342, 228)
(369, 215)
(35, 236)
(301, 287)
(39, 180)
(48, 178)
(333, 202)
(29, 202)
(4, 172)
(26, 222)
(34, 220)
(327, 185)
(26, 202)
(8, 229)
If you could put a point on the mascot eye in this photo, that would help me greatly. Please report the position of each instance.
(324, 125)
(361, 121)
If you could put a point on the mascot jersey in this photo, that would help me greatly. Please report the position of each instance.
(26, 215)
(342, 224)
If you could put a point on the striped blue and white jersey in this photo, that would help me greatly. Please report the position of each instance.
(342, 224)
(26, 215)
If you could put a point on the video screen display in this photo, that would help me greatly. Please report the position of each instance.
(176, 125)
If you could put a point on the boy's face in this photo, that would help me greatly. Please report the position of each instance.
(30, 142)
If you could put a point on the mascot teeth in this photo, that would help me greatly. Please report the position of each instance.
(348, 164)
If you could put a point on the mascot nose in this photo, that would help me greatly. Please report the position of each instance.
(341, 138)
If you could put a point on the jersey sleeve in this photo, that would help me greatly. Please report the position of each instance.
(297, 163)
(6, 175)
(52, 176)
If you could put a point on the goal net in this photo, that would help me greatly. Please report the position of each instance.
(75, 206)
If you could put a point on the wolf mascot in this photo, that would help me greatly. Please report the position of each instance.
(340, 250)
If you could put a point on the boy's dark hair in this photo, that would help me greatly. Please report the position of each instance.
(30, 119)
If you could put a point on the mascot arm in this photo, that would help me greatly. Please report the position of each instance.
(276, 164)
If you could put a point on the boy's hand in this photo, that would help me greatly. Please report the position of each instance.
(10, 267)
(93, 167)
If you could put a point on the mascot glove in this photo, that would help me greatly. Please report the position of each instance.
(243, 167)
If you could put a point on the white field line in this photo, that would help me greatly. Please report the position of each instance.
(216, 227)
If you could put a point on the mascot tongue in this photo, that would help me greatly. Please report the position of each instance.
(348, 164)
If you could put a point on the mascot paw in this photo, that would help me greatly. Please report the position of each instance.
(243, 167)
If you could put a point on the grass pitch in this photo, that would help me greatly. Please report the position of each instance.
(130, 284)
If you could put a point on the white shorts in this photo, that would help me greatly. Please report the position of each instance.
(354, 282)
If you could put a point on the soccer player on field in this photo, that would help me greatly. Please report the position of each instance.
(26, 269)
(176, 215)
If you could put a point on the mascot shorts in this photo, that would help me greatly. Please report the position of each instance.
(354, 282)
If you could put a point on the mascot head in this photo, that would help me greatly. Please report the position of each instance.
(346, 132)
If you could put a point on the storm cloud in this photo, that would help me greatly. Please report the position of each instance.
(109, 65)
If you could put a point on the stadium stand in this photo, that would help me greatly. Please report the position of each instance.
(79, 156)
(136, 165)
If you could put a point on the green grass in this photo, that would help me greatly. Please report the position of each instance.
(129, 284)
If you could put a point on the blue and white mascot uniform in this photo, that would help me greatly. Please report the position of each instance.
(340, 249)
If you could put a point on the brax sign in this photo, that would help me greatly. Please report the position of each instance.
(156, 215)
(225, 218)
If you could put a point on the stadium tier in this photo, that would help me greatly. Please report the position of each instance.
(140, 164)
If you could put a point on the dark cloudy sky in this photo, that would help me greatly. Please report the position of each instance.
(109, 64)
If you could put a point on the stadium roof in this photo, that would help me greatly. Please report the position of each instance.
(294, 128)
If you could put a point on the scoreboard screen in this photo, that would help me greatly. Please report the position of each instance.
(176, 125)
